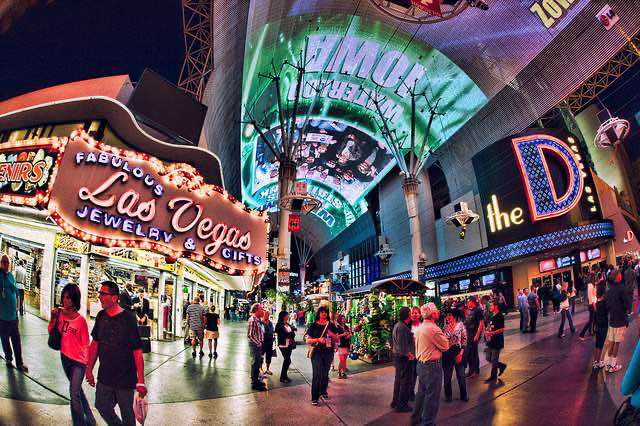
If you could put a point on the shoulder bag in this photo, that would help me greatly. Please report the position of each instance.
(313, 348)
(55, 338)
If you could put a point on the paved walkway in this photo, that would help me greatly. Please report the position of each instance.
(548, 381)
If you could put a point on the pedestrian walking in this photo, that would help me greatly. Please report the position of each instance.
(344, 346)
(9, 332)
(196, 320)
(403, 348)
(416, 320)
(456, 332)
(556, 295)
(211, 332)
(525, 309)
(319, 337)
(601, 319)
(591, 302)
(21, 279)
(617, 306)
(565, 311)
(431, 342)
(494, 334)
(523, 322)
(74, 351)
(629, 276)
(534, 307)
(255, 334)
(117, 344)
(267, 343)
(475, 327)
(286, 342)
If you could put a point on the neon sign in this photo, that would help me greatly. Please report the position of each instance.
(499, 220)
(27, 170)
(544, 201)
(127, 199)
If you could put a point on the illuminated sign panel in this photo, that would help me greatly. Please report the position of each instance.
(127, 199)
(342, 153)
(540, 185)
(26, 170)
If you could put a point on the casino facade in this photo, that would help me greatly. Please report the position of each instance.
(93, 188)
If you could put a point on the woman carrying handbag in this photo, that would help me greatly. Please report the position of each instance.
(286, 342)
(319, 337)
(73, 341)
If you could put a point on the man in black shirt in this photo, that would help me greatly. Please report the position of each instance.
(618, 304)
(495, 341)
(143, 310)
(403, 353)
(475, 326)
(117, 343)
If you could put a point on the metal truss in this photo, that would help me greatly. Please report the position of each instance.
(197, 24)
(589, 90)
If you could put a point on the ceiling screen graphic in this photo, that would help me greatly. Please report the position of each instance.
(347, 59)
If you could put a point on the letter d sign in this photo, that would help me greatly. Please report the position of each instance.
(544, 202)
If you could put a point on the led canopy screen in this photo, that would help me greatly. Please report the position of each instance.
(348, 60)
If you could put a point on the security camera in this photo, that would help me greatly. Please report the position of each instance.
(480, 4)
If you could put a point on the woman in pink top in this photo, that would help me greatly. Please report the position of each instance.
(74, 351)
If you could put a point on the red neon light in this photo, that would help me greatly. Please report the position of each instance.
(529, 193)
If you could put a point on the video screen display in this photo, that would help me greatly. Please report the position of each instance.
(488, 279)
(547, 265)
(593, 254)
(444, 288)
(464, 284)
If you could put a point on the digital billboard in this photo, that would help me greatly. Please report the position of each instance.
(347, 58)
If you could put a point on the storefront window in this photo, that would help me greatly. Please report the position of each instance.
(26, 261)
(67, 271)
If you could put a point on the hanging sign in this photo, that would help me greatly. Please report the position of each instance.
(112, 197)
(432, 7)
(27, 170)
(294, 222)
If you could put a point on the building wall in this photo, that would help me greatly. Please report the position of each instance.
(395, 222)
(449, 243)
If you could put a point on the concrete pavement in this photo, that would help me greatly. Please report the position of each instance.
(548, 381)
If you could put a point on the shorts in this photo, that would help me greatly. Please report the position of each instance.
(197, 334)
(343, 351)
(616, 334)
(210, 335)
(601, 336)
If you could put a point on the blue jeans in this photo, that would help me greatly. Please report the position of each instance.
(428, 397)
(566, 314)
(81, 413)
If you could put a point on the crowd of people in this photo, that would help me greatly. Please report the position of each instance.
(430, 350)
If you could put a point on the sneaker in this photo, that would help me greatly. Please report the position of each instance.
(24, 368)
(582, 338)
(614, 368)
(8, 362)
(285, 380)
(600, 364)
(193, 354)
(258, 387)
(326, 395)
(490, 380)
(210, 355)
(560, 336)
(405, 409)
(215, 354)
(269, 372)
(201, 354)
(314, 403)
